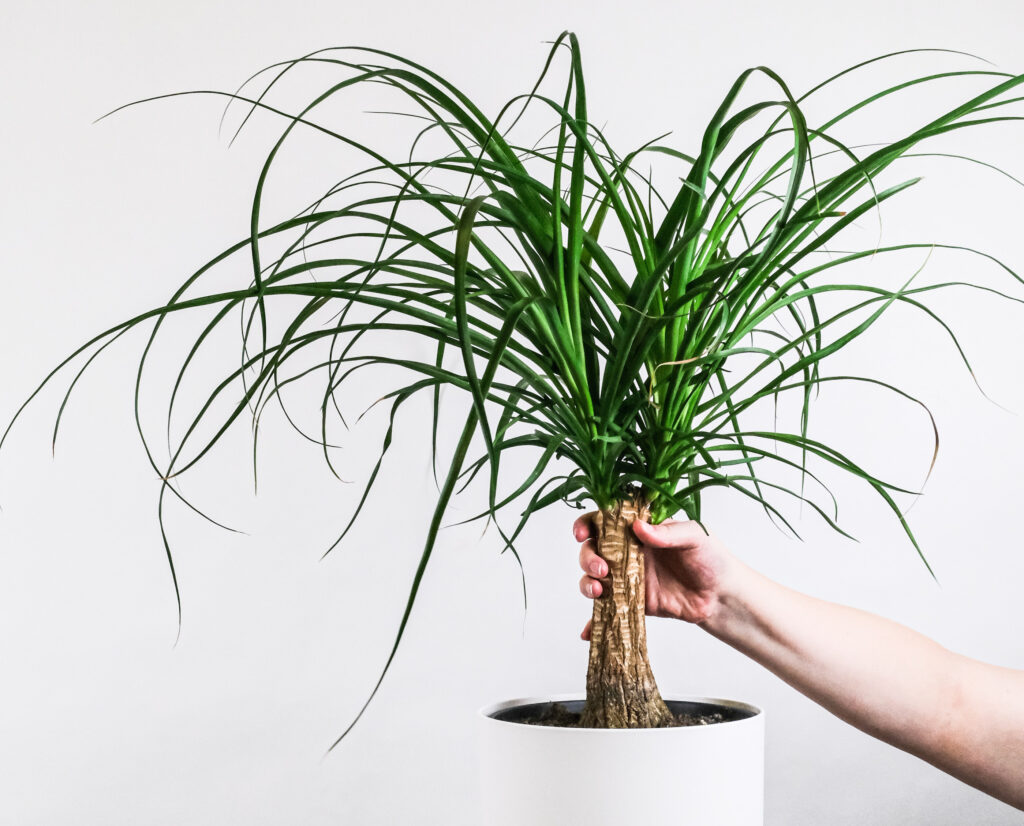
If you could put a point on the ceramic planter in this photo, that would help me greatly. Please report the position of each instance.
(705, 775)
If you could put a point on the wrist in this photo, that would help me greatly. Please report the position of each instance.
(737, 594)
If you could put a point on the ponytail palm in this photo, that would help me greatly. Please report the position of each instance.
(620, 330)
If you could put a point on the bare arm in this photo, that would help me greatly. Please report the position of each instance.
(963, 716)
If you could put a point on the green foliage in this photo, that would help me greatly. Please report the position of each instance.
(620, 331)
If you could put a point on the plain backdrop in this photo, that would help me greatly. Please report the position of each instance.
(104, 720)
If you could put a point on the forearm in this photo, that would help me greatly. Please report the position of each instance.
(962, 716)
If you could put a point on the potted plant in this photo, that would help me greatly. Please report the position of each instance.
(629, 337)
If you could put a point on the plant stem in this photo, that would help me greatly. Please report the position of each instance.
(621, 691)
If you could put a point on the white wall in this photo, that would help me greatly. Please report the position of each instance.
(104, 721)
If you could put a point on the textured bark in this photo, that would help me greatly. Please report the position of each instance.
(621, 692)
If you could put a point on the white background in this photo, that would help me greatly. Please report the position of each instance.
(104, 721)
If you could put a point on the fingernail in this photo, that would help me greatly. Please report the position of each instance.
(597, 568)
(590, 589)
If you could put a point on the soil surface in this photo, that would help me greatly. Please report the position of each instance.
(556, 714)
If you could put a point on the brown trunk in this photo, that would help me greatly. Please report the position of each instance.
(621, 692)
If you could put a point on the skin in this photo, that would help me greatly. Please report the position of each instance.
(962, 716)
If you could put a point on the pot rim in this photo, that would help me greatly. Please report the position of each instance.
(487, 712)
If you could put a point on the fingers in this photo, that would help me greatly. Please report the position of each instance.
(670, 534)
(590, 587)
(590, 561)
(594, 567)
(583, 527)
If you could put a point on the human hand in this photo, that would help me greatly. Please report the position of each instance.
(686, 571)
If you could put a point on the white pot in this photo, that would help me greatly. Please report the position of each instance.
(705, 775)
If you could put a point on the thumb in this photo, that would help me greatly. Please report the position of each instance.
(669, 534)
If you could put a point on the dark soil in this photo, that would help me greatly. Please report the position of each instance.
(556, 714)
